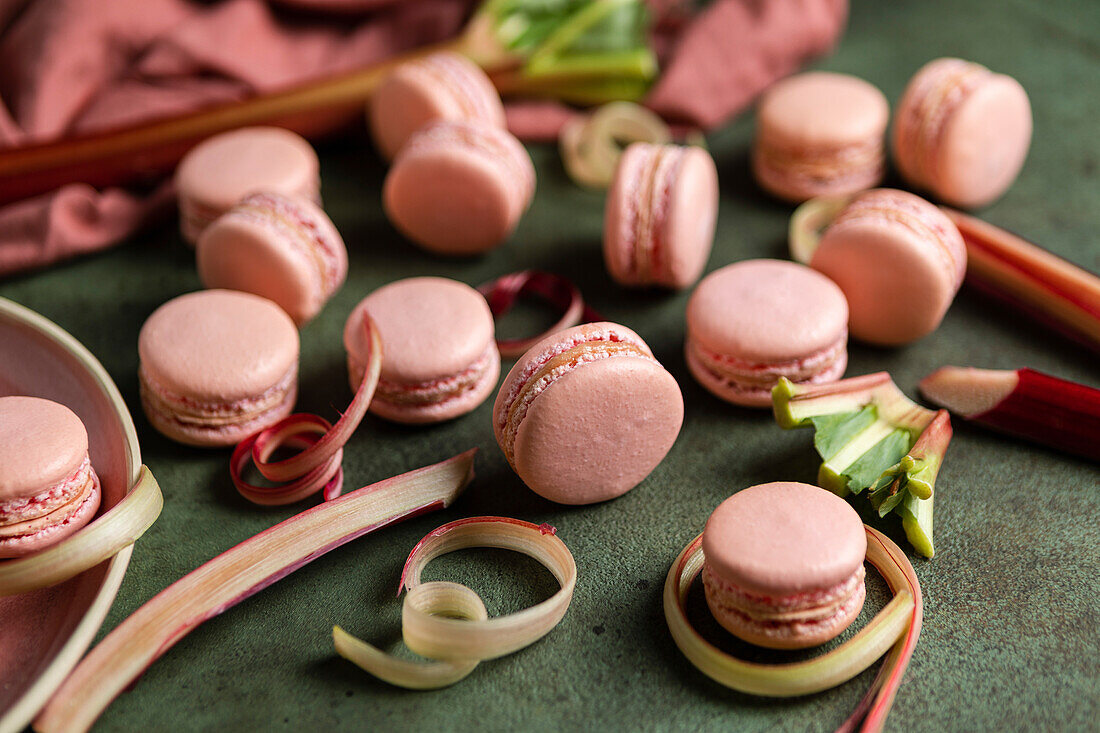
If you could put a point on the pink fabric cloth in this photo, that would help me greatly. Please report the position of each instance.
(74, 66)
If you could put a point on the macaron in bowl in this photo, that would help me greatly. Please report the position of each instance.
(442, 86)
(440, 358)
(217, 366)
(459, 188)
(660, 215)
(962, 131)
(223, 169)
(898, 259)
(783, 565)
(280, 247)
(587, 413)
(752, 322)
(48, 488)
(820, 134)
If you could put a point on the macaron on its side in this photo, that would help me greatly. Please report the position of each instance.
(441, 359)
(279, 247)
(48, 488)
(443, 86)
(216, 366)
(962, 131)
(223, 169)
(752, 322)
(587, 414)
(820, 133)
(900, 262)
(660, 215)
(784, 565)
(459, 188)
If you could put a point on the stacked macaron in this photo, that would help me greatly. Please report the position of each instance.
(48, 488)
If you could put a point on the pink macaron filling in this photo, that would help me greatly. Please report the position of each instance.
(648, 200)
(430, 392)
(856, 164)
(29, 523)
(749, 377)
(25, 508)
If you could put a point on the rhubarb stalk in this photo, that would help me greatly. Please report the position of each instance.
(238, 573)
(556, 290)
(870, 436)
(1022, 402)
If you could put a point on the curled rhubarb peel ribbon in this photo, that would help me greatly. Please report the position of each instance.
(897, 625)
(556, 290)
(317, 466)
(447, 622)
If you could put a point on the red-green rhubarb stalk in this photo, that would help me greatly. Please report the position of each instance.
(238, 573)
(873, 438)
(1022, 402)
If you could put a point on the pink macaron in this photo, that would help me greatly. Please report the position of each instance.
(223, 169)
(783, 565)
(820, 134)
(899, 261)
(280, 247)
(587, 413)
(48, 489)
(962, 131)
(660, 215)
(459, 188)
(443, 86)
(217, 366)
(440, 359)
(752, 322)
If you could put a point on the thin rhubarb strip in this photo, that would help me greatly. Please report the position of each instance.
(1041, 283)
(238, 573)
(556, 290)
(316, 467)
(1026, 403)
(120, 526)
(814, 675)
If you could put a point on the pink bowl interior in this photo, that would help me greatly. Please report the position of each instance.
(41, 626)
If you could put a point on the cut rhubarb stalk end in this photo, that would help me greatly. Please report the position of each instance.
(1052, 290)
(1025, 403)
(871, 437)
(556, 290)
(238, 573)
(808, 223)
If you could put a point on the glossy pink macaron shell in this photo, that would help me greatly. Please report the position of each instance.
(785, 546)
(217, 365)
(660, 215)
(900, 262)
(820, 133)
(596, 427)
(459, 188)
(962, 132)
(752, 322)
(48, 489)
(282, 248)
(443, 86)
(440, 357)
(223, 169)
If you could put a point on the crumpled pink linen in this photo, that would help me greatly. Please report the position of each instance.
(73, 66)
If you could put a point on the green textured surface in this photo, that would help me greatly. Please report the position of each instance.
(1012, 597)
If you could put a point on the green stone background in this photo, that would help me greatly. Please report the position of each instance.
(1009, 640)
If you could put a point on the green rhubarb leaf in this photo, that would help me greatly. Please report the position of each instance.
(887, 452)
(833, 432)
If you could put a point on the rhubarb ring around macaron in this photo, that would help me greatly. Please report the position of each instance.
(755, 321)
(784, 565)
(587, 413)
(440, 356)
(48, 488)
(280, 247)
(217, 366)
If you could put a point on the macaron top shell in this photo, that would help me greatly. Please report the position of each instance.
(784, 538)
(763, 311)
(218, 345)
(42, 443)
(821, 108)
(221, 170)
(431, 327)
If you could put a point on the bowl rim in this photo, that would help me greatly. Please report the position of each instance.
(32, 700)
